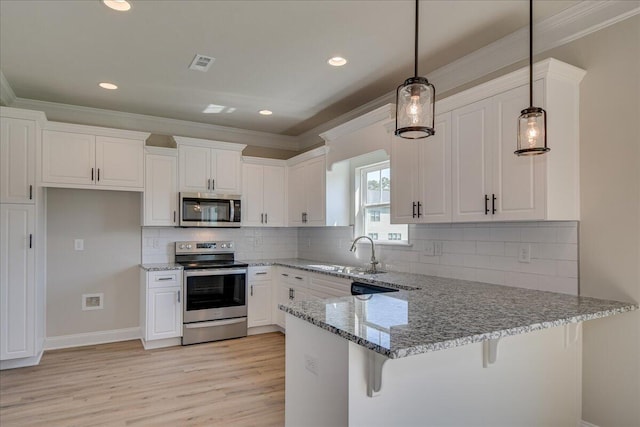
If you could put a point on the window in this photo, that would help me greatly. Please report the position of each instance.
(373, 205)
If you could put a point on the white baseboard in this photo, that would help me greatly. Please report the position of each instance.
(168, 342)
(21, 363)
(583, 423)
(92, 338)
(255, 330)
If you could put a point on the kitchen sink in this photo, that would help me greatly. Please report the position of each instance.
(361, 271)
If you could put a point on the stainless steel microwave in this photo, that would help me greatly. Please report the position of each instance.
(209, 210)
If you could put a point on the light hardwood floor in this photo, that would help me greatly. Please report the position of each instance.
(228, 383)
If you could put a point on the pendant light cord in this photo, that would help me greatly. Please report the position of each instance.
(415, 54)
(530, 53)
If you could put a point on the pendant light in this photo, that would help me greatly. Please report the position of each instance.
(415, 102)
(532, 123)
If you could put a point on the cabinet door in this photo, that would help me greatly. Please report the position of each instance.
(435, 170)
(274, 190)
(164, 317)
(17, 160)
(225, 171)
(253, 201)
(17, 281)
(194, 169)
(68, 158)
(259, 305)
(283, 297)
(405, 180)
(160, 190)
(119, 162)
(519, 183)
(315, 191)
(471, 140)
(300, 294)
(297, 199)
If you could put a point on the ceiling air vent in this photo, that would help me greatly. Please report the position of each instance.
(201, 62)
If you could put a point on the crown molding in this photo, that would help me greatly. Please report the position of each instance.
(307, 155)
(153, 124)
(17, 113)
(96, 130)
(263, 161)
(385, 112)
(161, 151)
(571, 24)
(208, 143)
(7, 96)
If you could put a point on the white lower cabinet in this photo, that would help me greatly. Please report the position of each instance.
(259, 310)
(161, 308)
(17, 281)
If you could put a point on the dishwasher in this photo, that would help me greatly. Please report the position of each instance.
(359, 288)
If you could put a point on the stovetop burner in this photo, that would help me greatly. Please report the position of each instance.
(201, 255)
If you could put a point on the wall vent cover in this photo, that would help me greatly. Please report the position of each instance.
(92, 301)
(201, 62)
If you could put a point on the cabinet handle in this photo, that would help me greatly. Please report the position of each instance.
(209, 184)
(419, 204)
(259, 273)
(290, 293)
(162, 279)
(293, 292)
(174, 217)
(91, 174)
(178, 295)
(213, 184)
(493, 204)
(31, 192)
(285, 274)
(486, 204)
(251, 290)
(30, 241)
(261, 218)
(299, 278)
(413, 210)
(266, 220)
(98, 174)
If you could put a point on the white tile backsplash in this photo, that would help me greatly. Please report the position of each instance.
(486, 252)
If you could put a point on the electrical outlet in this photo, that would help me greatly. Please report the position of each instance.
(258, 241)
(524, 253)
(437, 248)
(78, 244)
(156, 243)
(430, 248)
(311, 364)
(308, 243)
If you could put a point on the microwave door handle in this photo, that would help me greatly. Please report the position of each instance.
(232, 213)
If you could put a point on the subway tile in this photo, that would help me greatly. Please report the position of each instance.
(490, 248)
(567, 235)
(477, 261)
(490, 276)
(459, 247)
(565, 285)
(511, 249)
(505, 234)
(521, 280)
(538, 234)
(451, 234)
(426, 259)
(567, 269)
(451, 259)
(503, 263)
(476, 233)
(557, 251)
(539, 266)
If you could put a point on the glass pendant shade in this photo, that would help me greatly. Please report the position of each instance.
(532, 132)
(415, 108)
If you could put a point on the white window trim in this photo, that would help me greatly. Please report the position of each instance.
(359, 203)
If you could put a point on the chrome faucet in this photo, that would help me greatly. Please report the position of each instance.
(374, 262)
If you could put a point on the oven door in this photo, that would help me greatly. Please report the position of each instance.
(214, 294)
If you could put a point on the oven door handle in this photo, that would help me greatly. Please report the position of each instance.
(215, 323)
(215, 272)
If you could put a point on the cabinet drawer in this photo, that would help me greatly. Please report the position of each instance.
(292, 276)
(259, 273)
(164, 279)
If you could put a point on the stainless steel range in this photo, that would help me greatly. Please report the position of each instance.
(215, 292)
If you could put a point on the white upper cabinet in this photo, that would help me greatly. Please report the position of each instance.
(161, 187)
(209, 166)
(263, 191)
(18, 160)
(421, 176)
(76, 156)
(307, 189)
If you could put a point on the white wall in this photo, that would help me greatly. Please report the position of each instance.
(482, 252)
(109, 223)
(251, 242)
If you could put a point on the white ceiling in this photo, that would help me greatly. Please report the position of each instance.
(269, 54)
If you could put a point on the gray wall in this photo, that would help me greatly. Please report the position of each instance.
(610, 226)
(109, 223)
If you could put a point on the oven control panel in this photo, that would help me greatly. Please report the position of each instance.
(203, 247)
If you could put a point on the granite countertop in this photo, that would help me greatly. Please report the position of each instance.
(165, 266)
(439, 313)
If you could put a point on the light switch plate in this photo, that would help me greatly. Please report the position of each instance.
(78, 244)
(430, 248)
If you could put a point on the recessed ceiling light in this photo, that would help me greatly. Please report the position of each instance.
(265, 112)
(119, 5)
(337, 61)
(110, 86)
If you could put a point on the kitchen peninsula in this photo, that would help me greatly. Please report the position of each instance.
(448, 352)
